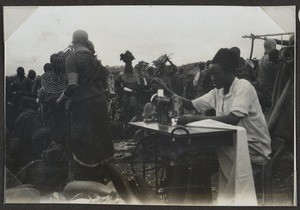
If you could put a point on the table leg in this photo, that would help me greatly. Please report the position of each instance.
(156, 170)
(144, 150)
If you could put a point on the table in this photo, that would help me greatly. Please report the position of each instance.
(195, 136)
(194, 131)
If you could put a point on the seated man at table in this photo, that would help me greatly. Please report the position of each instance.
(236, 103)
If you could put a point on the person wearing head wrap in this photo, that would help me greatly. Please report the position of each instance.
(162, 70)
(90, 141)
(127, 88)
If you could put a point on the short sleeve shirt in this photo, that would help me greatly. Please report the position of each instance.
(242, 101)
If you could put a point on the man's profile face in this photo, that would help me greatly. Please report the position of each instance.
(218, 75)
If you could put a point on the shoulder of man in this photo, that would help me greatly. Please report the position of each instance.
(243, 84)
(78, 52)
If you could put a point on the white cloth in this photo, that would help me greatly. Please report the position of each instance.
(196, 80)
(242, 101)
(236, 184)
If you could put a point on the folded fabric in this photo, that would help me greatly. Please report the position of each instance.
(236, 184)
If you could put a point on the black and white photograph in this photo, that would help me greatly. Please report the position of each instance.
(165, 105)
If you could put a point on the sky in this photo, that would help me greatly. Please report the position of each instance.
(189, 33)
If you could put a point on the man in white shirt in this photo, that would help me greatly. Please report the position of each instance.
(236, 103)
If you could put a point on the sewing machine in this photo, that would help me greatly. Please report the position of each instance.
(166, 107)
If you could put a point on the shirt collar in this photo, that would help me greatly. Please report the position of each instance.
(221, 91)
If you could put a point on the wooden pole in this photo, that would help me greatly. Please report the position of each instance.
(265, 35)
(252, 46)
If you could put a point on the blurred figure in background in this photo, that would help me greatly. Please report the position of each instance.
(127, 87)
(269, 44)
(27, 123)
(162, 71)
(244, 69)
(19, 88)
(281, 117)
(190, 92)
(266, 79)
(31, 75)
(179, 82)
(37, 81)
(21, 85)
(199, 79)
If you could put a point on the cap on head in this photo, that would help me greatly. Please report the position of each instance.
(269, 45)
(227, 59)
(80, 36)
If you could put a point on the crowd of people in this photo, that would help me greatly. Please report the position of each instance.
(64, 115)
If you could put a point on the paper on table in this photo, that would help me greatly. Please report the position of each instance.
(236, 184)
(160, 92)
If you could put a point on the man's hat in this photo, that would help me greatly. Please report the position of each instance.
(80, 36)
(227, 58)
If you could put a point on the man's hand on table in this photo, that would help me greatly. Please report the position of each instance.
(188, 118)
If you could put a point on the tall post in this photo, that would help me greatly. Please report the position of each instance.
(252, 46)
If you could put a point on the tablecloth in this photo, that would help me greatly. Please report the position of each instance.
(236, 184)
